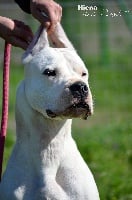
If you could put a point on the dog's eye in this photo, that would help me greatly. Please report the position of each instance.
(84, 74)
(49, 72)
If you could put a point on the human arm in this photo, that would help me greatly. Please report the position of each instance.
(15, 32)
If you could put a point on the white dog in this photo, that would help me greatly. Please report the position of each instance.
(45, 163)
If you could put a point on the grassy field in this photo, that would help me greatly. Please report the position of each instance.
(105, 139)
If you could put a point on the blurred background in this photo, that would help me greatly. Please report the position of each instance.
(102, 36)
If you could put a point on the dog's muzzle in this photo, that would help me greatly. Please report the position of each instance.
(79, 106)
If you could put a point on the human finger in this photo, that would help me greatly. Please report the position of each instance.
(42, 17)
(18, 42)
(23, 31)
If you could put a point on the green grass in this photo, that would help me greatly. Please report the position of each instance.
(104, 140)
(106, 147)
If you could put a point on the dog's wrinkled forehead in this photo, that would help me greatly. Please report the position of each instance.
(47, 56)
(60, 58)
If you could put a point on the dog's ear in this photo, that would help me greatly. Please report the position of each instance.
(39, 42)
(59, 39)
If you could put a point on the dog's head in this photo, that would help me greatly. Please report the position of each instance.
(56, 79)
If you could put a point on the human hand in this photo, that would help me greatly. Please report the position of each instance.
(50, 8)
(15, 32)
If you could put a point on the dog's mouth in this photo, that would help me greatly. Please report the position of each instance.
(81, 110)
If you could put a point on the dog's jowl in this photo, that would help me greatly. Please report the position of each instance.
(45, 163)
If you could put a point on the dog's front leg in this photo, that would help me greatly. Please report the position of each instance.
(51, 191)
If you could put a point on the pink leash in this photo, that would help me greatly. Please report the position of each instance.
(4, 120)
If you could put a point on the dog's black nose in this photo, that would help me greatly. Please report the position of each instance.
(79, 89)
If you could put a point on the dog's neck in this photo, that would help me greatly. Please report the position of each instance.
(38, 136)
